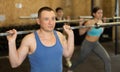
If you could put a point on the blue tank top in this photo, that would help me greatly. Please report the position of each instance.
(45, 58)
(95, 31)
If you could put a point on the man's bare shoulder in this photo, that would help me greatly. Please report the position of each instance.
(59, 34)
(29, 38)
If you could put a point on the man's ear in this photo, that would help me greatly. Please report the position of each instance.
(93, 14)
(38, 21)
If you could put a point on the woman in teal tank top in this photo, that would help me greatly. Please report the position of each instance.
(91, 41)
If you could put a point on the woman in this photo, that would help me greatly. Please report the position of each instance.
(91, 43)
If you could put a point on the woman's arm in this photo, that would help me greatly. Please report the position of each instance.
(82, 31)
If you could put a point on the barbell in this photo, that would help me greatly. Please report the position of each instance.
(90, 17)
(84, 19)
(19, 32)
(3, 57)
(69, 21)
(74, 27)
(97, 25)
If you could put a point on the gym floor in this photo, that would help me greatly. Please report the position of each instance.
(91, 64)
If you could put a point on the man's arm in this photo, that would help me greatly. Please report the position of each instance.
(16, 56)
(68, 44)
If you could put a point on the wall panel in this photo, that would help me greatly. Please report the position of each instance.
(73, 8)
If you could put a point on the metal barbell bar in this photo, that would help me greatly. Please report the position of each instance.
(84, 19)
(19, 32)
(68, 21)
(3, 57)
(75, 27)
(95, 25)
(60, 21)
(90, 17)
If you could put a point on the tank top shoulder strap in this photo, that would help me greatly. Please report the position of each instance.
(55, 33)
(36, 36)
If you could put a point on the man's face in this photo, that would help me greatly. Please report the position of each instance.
(47, 20)
(60, 13)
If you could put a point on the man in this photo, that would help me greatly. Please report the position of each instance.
(44, 47)
(59, 16)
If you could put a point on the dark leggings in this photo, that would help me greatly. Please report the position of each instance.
(98, 49)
